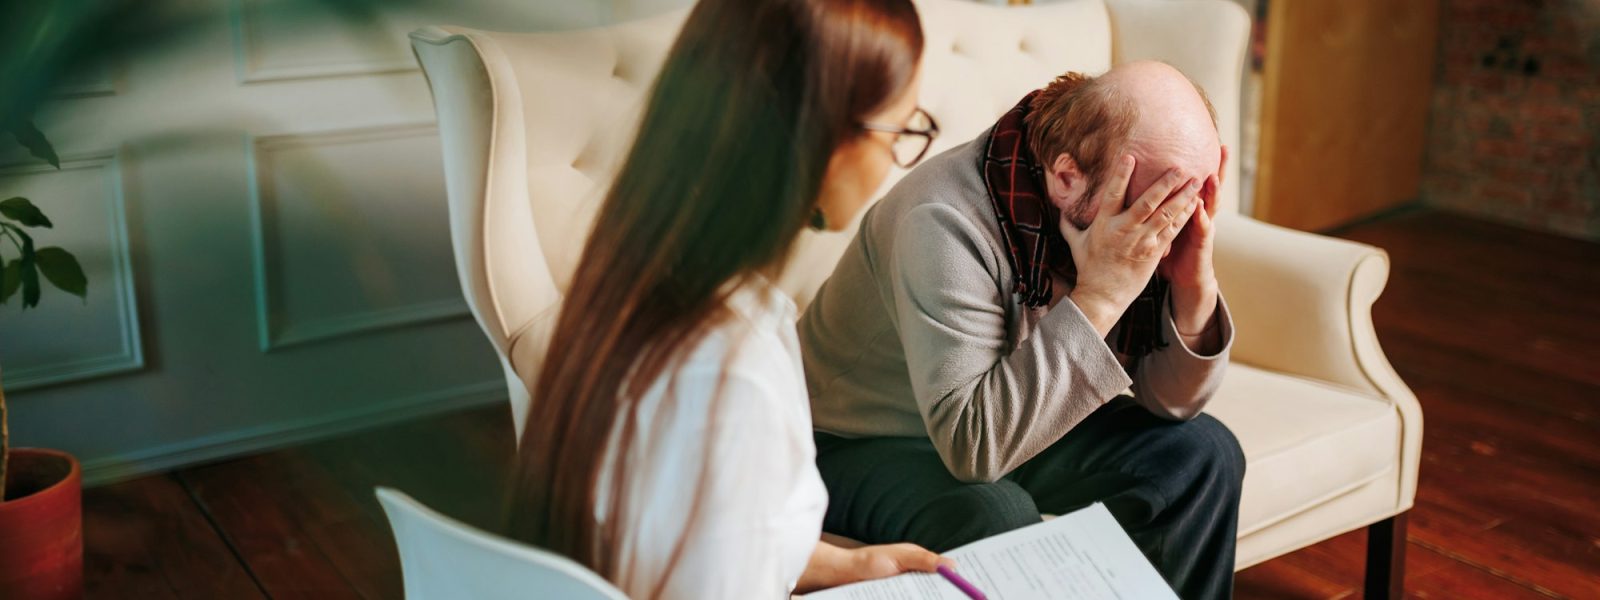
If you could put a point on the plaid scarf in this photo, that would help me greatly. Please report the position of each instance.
(1029, 226)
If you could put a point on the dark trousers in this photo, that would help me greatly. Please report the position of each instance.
(1174, 486)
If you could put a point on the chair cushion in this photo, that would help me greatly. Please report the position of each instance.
(1305, 441)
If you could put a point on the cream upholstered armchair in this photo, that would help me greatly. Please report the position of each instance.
(531, 124)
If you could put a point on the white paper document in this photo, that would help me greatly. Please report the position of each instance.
(1084, 555)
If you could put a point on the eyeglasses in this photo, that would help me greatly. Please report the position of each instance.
(911, 142)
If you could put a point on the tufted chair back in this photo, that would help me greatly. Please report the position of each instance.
(534, 124)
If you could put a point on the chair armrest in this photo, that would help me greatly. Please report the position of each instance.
(1302, 302)
(1302, 305)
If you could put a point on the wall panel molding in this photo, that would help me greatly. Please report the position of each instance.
(254, 64)
(129, 355)
(295, 40)
(274, 329)
(375, 320)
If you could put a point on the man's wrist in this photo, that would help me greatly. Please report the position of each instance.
(1198, 286)
(1102, 313)
(1193, 307)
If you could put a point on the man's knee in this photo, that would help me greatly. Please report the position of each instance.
(1213, 452)
(972, 512)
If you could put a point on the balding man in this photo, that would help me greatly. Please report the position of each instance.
(968, 358)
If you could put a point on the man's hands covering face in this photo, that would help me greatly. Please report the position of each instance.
(1188, 265)
(1122, 248)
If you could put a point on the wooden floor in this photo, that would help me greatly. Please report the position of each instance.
(1495, 329)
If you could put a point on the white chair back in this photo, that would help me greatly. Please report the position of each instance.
(442, 558)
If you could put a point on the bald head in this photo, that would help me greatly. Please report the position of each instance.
(1150, 110)
(1168, 106)
(1174, 125)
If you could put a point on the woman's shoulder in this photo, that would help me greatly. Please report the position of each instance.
(747, 341)
(735, 384)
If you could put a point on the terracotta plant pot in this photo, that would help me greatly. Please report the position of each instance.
(41, 527)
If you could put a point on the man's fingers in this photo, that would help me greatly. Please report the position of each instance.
(1174, 205)
(1074, 236)
(1176, 215)
(1202, 221)
(1214, 199)
(1158, 193)
(1113, 193)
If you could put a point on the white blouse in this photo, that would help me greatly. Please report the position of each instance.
(760, 514)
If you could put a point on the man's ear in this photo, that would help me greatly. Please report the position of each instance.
(1222, 168)
(1065, 182)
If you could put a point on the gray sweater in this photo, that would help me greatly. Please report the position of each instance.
(918, 333)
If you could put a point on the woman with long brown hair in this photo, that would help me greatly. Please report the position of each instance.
(669, 443)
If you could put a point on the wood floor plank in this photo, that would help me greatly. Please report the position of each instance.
(1450, 579)
(146, 538)
(1521, 390)
(306, 519)
(345, 524)
(1330, 570)
(1506, 339)
(453, 464)
(456, 464)
(1560, 270)
(1284, 580)
(263, 512)
(1535, 556)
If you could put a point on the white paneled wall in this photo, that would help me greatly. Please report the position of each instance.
(260, 209)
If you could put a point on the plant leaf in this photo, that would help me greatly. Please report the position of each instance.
(19, 209)
(10, 279)
(31, 138)
(62, 270)
(30, 273)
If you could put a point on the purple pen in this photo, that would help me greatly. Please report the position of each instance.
(965, 586)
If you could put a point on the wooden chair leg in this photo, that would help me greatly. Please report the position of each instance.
(1386, 558)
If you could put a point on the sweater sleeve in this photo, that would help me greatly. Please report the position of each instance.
(987, 410)
(1176, 383)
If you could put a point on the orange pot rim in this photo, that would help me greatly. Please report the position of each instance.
(74, 474)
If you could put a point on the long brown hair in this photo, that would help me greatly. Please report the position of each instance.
(749, 106)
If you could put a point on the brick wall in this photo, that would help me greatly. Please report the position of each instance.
(1515, 131)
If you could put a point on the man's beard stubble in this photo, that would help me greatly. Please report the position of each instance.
(1079, 214)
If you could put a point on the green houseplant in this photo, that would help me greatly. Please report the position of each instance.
(22, 273)
(40, 498)
(36, 44)
(41, 515)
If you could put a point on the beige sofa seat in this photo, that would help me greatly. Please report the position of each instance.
(531, 125)
(1306, 443)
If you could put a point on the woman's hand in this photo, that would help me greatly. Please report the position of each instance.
(877, 562)
(832, 566)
